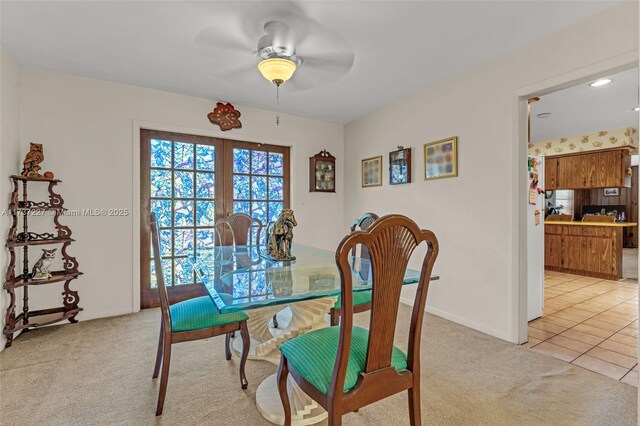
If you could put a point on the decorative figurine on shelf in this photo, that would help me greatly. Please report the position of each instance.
(280, 236)
(225, 116)
(41, 268)
(31, 164)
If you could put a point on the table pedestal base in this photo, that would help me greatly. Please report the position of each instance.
(293, 320)
(304, 410)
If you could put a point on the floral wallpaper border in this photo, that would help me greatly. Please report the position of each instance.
(603, 139)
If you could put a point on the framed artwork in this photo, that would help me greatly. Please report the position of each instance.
(441, 159)
(400, 166)
(372, 171)
(611, 192)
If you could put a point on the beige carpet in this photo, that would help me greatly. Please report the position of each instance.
(99, 373)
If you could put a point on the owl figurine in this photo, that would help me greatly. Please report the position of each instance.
(31, 164)
(41, 268)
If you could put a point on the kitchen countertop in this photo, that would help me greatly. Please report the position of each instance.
(574, 223)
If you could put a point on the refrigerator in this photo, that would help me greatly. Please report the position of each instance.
(535, 236)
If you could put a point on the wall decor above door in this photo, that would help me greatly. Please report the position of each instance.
(225, 116)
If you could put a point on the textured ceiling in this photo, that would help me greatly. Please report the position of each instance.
(190, 47)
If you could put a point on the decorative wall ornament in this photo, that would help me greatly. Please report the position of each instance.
(225, 116)
(441, 159)
(280, 236)
(372, 171)
(400, 166)
(603, 139)
(611, 192)
(31, 163)
(322, 172)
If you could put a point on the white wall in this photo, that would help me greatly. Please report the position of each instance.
(9, 153)
(87, 128)
(473, 214)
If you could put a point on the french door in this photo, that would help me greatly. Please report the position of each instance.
(190, 182)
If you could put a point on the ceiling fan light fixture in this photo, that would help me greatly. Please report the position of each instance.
(277, 70)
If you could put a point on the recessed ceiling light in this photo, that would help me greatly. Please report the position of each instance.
(636, 109)
(601, 82)
(544, 115)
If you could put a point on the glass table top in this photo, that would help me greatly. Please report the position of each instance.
(240, 278)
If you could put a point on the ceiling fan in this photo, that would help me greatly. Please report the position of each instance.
(279, 40)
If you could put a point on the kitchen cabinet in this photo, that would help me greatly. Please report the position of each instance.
(596, 169)
(584, 248)
(550, 173)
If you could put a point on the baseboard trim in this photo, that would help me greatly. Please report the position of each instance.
(462, 321)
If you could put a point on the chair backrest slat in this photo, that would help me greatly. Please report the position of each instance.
(390, 240)
(389, 251)
(157, 262)
(239, 224)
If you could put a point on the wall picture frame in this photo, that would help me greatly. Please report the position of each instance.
(372, 171)
(611, 192)
(400, 166)
(441, 159)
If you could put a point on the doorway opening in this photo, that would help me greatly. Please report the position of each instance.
(582, 225)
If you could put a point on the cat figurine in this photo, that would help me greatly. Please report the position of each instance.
(41, 268)
(31, 164)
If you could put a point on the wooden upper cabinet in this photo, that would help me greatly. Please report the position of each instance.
(570, 172)
(550, 173)
(598, 169)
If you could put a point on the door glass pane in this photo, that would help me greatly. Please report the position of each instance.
(258, 162)
(258, 177)
(276, 164)
(205, 157)
(160, 153)
(183, 182)
(161, 183)
(276, 188)
(241, 188)
(258, 188)
(205, 185)
(183, 213)
(184, 202)
(206, 212)
(240, 160)
(183, 155)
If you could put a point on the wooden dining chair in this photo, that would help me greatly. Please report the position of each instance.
(361, 299)
(598, 218)
(192, 319)
(560, 218)
(239, 225)
(345, 368)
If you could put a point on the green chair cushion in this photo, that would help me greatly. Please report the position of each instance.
(359, 298)
(194, 314)
(313, 356)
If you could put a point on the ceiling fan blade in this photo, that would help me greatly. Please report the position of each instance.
(242, 74)
(214, 40)
(304, 81)
(339, 62)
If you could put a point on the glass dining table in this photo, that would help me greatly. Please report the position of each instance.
(299, 294)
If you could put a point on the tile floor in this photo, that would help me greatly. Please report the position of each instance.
(589, 322)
